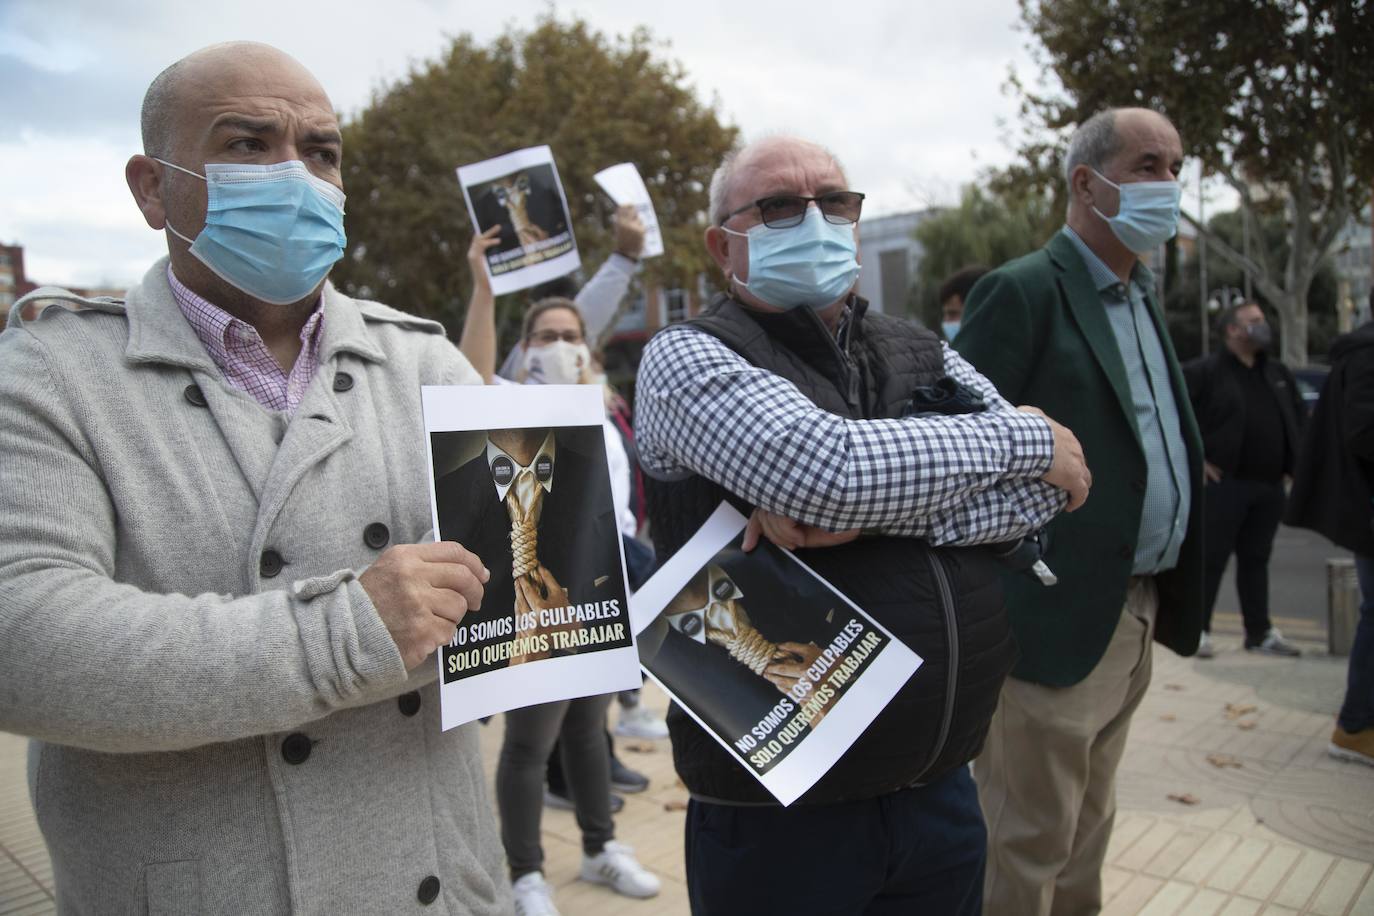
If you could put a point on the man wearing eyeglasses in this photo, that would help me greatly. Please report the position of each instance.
(787, 398)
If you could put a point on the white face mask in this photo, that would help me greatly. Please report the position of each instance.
(558, 363)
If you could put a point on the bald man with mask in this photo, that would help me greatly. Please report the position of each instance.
(219, 598)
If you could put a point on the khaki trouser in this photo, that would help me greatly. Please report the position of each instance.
(1047, 775)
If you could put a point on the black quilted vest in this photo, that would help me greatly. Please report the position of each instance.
(944, 603)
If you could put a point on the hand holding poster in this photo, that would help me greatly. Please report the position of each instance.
(625, 186)
(521, 193)
(519, 477)
(780, 668)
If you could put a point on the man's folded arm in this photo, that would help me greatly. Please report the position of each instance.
(88, 661)
(704, 409)
(1007, 510)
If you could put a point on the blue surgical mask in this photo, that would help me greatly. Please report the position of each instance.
(950, 328)
(1147, 216)
(273, 231)
(813, 263)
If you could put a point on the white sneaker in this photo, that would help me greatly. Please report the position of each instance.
(533, 896)
(1274, 644)
(617, 867)
(1204, 646)
(640, 722)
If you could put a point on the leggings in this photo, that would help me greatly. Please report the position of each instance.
(530, 734)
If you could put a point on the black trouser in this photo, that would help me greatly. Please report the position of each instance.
(908, 853)
(1242, 518)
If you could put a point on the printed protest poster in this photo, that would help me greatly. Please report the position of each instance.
(783, 670)
(625, 186)
(520, 191)
(519, 477)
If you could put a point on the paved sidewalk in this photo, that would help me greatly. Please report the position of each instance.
(1269, 824)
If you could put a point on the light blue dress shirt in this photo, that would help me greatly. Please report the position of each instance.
(1168, 493)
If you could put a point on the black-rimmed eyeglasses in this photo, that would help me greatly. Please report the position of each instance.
(782, 211)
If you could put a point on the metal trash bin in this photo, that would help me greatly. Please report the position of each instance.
(1342, 604)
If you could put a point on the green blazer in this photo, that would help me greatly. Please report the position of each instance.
(1037, 329)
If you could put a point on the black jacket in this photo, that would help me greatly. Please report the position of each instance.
(1218, 396)
(944, 603)
(1334, 481)
(578, 539)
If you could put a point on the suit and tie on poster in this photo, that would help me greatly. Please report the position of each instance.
(533, 502)
(781, 669)
(521, 193)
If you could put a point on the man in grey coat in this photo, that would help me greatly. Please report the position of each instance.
(219, 599)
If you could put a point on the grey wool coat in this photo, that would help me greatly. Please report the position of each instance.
(222, 723)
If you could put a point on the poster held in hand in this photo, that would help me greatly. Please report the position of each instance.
(625, 186)
(781, 669)
(521, 193)
(518, 476)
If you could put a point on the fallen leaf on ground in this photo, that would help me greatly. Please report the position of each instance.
(1221, 761)
(640, 747)
(1174, 687)
(1246, 725)
(675, 804)
(1236, 710)
(1184, 798)
(1167, 717)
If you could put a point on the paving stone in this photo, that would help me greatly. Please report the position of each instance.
(1237, 866)
(1302, 882)
(1339, 890)
(1270, 872)
(1169, 899)
(1239, 906)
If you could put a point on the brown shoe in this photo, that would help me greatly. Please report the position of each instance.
(1357, 747)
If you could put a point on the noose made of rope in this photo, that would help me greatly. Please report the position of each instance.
(746, 646)
(523, 540)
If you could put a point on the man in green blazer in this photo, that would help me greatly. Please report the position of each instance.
(1075, 330)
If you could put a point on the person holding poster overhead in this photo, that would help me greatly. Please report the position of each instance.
(788, 396)
(536, 542)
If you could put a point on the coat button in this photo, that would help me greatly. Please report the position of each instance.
(295, 749)
(429, 890)
(271, 564)
(376, 536)
(194, 395)
(342, 381)
(409, 703)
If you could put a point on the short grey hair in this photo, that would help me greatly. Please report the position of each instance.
(720, 185)
(159, 112)
(722, 181)
(1093, 144)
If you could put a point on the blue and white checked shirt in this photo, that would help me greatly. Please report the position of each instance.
(1168, 493)
(701, 408)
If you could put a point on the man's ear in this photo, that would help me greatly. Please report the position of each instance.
(1080, 183)
(145, 183)
(718, 246)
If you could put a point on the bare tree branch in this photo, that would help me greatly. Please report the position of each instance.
(1216, 243)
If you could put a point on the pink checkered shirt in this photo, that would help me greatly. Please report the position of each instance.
(238, 350)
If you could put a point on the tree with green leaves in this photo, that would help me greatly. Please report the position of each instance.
(1273, 96)
(594, 100)
(987, 227)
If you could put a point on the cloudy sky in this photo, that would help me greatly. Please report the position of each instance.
(910, 96)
